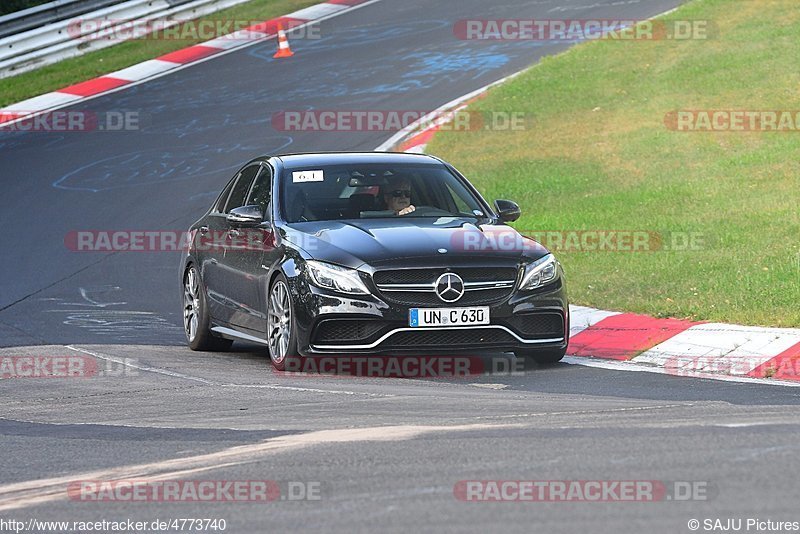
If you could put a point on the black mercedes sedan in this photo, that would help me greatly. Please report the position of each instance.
(368, 253)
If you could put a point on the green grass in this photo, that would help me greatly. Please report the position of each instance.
(125, 54)
(598, 156)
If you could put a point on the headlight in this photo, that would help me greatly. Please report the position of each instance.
(337, 278)
(540, 272)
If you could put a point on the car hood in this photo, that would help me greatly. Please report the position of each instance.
(379, 241)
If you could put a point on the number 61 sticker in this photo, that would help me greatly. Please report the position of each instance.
(300, 177)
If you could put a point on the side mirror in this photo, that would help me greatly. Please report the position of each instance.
(507, 210)
(245, 216)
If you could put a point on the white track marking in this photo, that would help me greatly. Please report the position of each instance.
(145, 368)
(236, 39)
(43, 102)
(35, 492)
(145, 69)
(390, 143)
(174, 374)
(578, 412)
(317, 11)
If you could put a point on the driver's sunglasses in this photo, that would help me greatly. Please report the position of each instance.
(398, 193)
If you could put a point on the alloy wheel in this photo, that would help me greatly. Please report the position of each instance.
(279, 322)
(191, 304)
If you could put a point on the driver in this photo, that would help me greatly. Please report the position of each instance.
(396, 193)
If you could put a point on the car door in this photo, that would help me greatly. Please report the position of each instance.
(210, 243)
(218, 273)
(251, 251)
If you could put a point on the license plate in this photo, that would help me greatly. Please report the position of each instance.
(448, 316)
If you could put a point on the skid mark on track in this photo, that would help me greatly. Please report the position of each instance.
(157, 166)
(122, 324)
(96, 316)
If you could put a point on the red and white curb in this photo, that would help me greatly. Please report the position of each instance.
(176, 60)
(686, 348)
(672, 346)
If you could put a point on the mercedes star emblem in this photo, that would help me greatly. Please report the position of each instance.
(449, 287)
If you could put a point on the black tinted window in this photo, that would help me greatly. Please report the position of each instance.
(241, 188)
(260, 192)
(219, 206)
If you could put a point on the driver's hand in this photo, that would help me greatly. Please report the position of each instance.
(406, 211)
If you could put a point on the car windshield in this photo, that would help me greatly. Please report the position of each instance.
(338, 192)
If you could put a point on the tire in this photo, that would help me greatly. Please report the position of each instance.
(196, 319)
(542, 357)
(281, 332)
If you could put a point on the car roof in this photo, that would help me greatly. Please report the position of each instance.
(313, 159)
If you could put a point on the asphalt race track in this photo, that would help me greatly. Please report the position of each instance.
(201, 124)
(384, 453)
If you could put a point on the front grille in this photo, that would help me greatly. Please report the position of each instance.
(533, 325)
(471, 297)
(444, 339)
(346, 331)
(429, 276)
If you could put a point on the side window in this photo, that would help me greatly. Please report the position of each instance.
(260, 193)
(424, 193)
(461, 206)
(241, 187)
(223, 198)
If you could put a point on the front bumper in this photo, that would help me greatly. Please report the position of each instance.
(330, 323)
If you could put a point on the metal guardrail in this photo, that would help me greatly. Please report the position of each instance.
(49, 13)
(66, 38)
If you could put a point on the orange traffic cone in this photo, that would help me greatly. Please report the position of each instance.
(283, 45)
